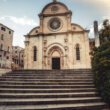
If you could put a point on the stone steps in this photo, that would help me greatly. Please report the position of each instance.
(66, 70)
(78, 106)
(48, 73)
(49, 95)
(46, 86)
(49, 77)
(49, 90)
(60, 90)
(44, 83)
(44, 80)
(41, 75)
(51, 72)
(46, 101)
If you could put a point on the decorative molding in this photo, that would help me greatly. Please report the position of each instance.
(58, 33)
(66, 48)
(26, 42)
(53, 3)
(54, 8)
(65, 40)
(57, 14)
(45, 41)
(45, 49)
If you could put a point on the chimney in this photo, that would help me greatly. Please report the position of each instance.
(96, 34)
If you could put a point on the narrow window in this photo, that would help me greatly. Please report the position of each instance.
(15, 61)
(2, 37)
(1, 48)
(35, 53)
(8, 49)
(77, 52)
(4, 53)
(9, 32)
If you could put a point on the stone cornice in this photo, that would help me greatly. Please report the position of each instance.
(57, 14)
(59, 33)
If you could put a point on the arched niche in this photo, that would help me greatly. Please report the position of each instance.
(57, 53)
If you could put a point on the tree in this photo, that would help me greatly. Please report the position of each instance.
(101, 70)
(104, 33)
(101, 62)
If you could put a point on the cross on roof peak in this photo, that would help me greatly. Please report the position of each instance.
(54, 0)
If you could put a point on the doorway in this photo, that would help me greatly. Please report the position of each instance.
(56, 63)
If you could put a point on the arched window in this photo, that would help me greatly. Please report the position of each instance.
(77, 52)
(35, 53)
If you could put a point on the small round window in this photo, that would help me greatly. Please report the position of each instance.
(55, 24)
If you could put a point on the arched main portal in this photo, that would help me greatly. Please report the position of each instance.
(56, 59)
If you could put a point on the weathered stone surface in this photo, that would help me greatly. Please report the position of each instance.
(54, 41)
(24, 90)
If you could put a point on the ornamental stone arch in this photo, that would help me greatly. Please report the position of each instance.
(77, 45)
(58, 45)
(55, 51)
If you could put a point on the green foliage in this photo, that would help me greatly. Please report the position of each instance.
(104, 33)
(101, 69)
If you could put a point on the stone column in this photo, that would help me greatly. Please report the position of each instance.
(96, 34)
(69, 22)
(26, 60)
(41, 23)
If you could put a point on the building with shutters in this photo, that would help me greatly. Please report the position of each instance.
(6, 39)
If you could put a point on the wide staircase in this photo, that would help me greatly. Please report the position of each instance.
(49, 90)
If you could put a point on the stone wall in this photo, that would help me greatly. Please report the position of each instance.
(56, 35)
(65, 45)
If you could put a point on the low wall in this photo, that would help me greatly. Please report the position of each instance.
(3, 71)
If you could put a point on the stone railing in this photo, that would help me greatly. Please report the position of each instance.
(3, 71)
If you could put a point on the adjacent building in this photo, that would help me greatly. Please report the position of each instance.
(18, 58)
(6, 39)
(57, 43)
(92, 44)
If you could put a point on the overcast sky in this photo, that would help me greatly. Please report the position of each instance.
(22, 15)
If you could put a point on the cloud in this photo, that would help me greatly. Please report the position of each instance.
(101, 5)
(20, 25)
(106, 17)
(22, 21)
(4, 0)
(96, 2)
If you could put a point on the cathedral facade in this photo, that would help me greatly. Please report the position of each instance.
(57, 43)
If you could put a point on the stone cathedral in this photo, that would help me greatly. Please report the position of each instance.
(57, 43)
